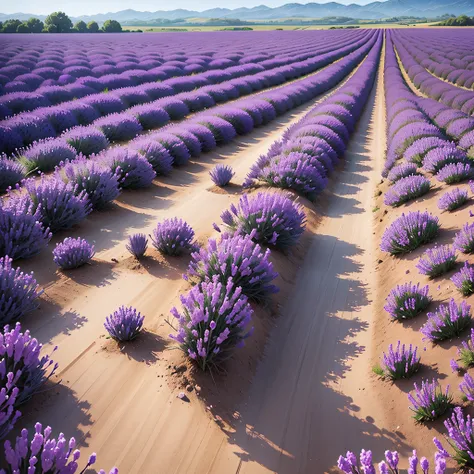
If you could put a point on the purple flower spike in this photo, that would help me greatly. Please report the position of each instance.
(8, 414)
(429, 401)
(19, 292)
(137, 245)
(173, 237)
(467, 387)
(72, 253)
(124, 324)
(213, 321)
(221, 175)
(447, 322)
(407, 301)
(437, 261)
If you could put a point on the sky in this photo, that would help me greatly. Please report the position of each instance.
(91, 7)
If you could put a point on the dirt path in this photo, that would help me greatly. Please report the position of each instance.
(310, 400)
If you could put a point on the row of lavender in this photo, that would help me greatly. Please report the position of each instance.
(81, 185)
(215, 313)
(412, 135)
(38, 64)
(124, 113)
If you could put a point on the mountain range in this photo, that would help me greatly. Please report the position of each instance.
(371, 11)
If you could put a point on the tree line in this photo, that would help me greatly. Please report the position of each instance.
(58, 22)
(462, 20)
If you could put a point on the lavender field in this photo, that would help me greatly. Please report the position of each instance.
(245, 252)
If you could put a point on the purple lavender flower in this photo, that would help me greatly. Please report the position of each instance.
(119, 127)
(174, 146)
(134, 171)
(455, 173)
(238, 258)
(156, 154)
(461, 439)
(124, 324)
(93, 178)
(447, 322)
(221, 175)
(407, 301)
(58, 205)
(406, 189)
(464, 280)
(464, 239)
(439, 157)
(429, 401)
(213, 321)
(416, 152)
(437, 261)
(57, 456)
(452, 200)
(467, 387)
(8, 414)
(11, 173)
(19, 292)
(173, 237)
(402, 171)
(399, 363)
(86, 140)
(137, 245)
(466, 353)
(21, 356)
(222, 130)
(269, 218)
(72, 253)
(409, 231)
(21, 234)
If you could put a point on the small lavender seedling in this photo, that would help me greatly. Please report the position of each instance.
(221, 175)
(137, 245)
(429, 401)
(407, 301)
(72, 253)
(447, 322)
(124, 324)
(437, 261)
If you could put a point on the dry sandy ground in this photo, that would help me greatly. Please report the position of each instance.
(310, 398)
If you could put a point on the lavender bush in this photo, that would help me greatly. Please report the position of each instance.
(409, 231)
(21, 356)
(124, 324)
(221, 175)
(447, 322)
(59, 205)
(455, 173)
(173, 237)
(86, 140)
(119, 127)
(429, 401)
(133, 169)
(137, 245)
(212, 322)
(46, 155)
(399, 363)
(99, 182)
(439, 157)
(11, 173)
(464, 239)
(406, 189)
(465, 353)
(452, 200)
(269, 218)
(402, 171)
(72, 253)
(437, 261)
(54, 456)
(21, 234)
(156, 154)
(467, 387)
(464, 280)
(8, 414)
(238, 258)
(18, 292)
(407, 301)
(349, 464)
